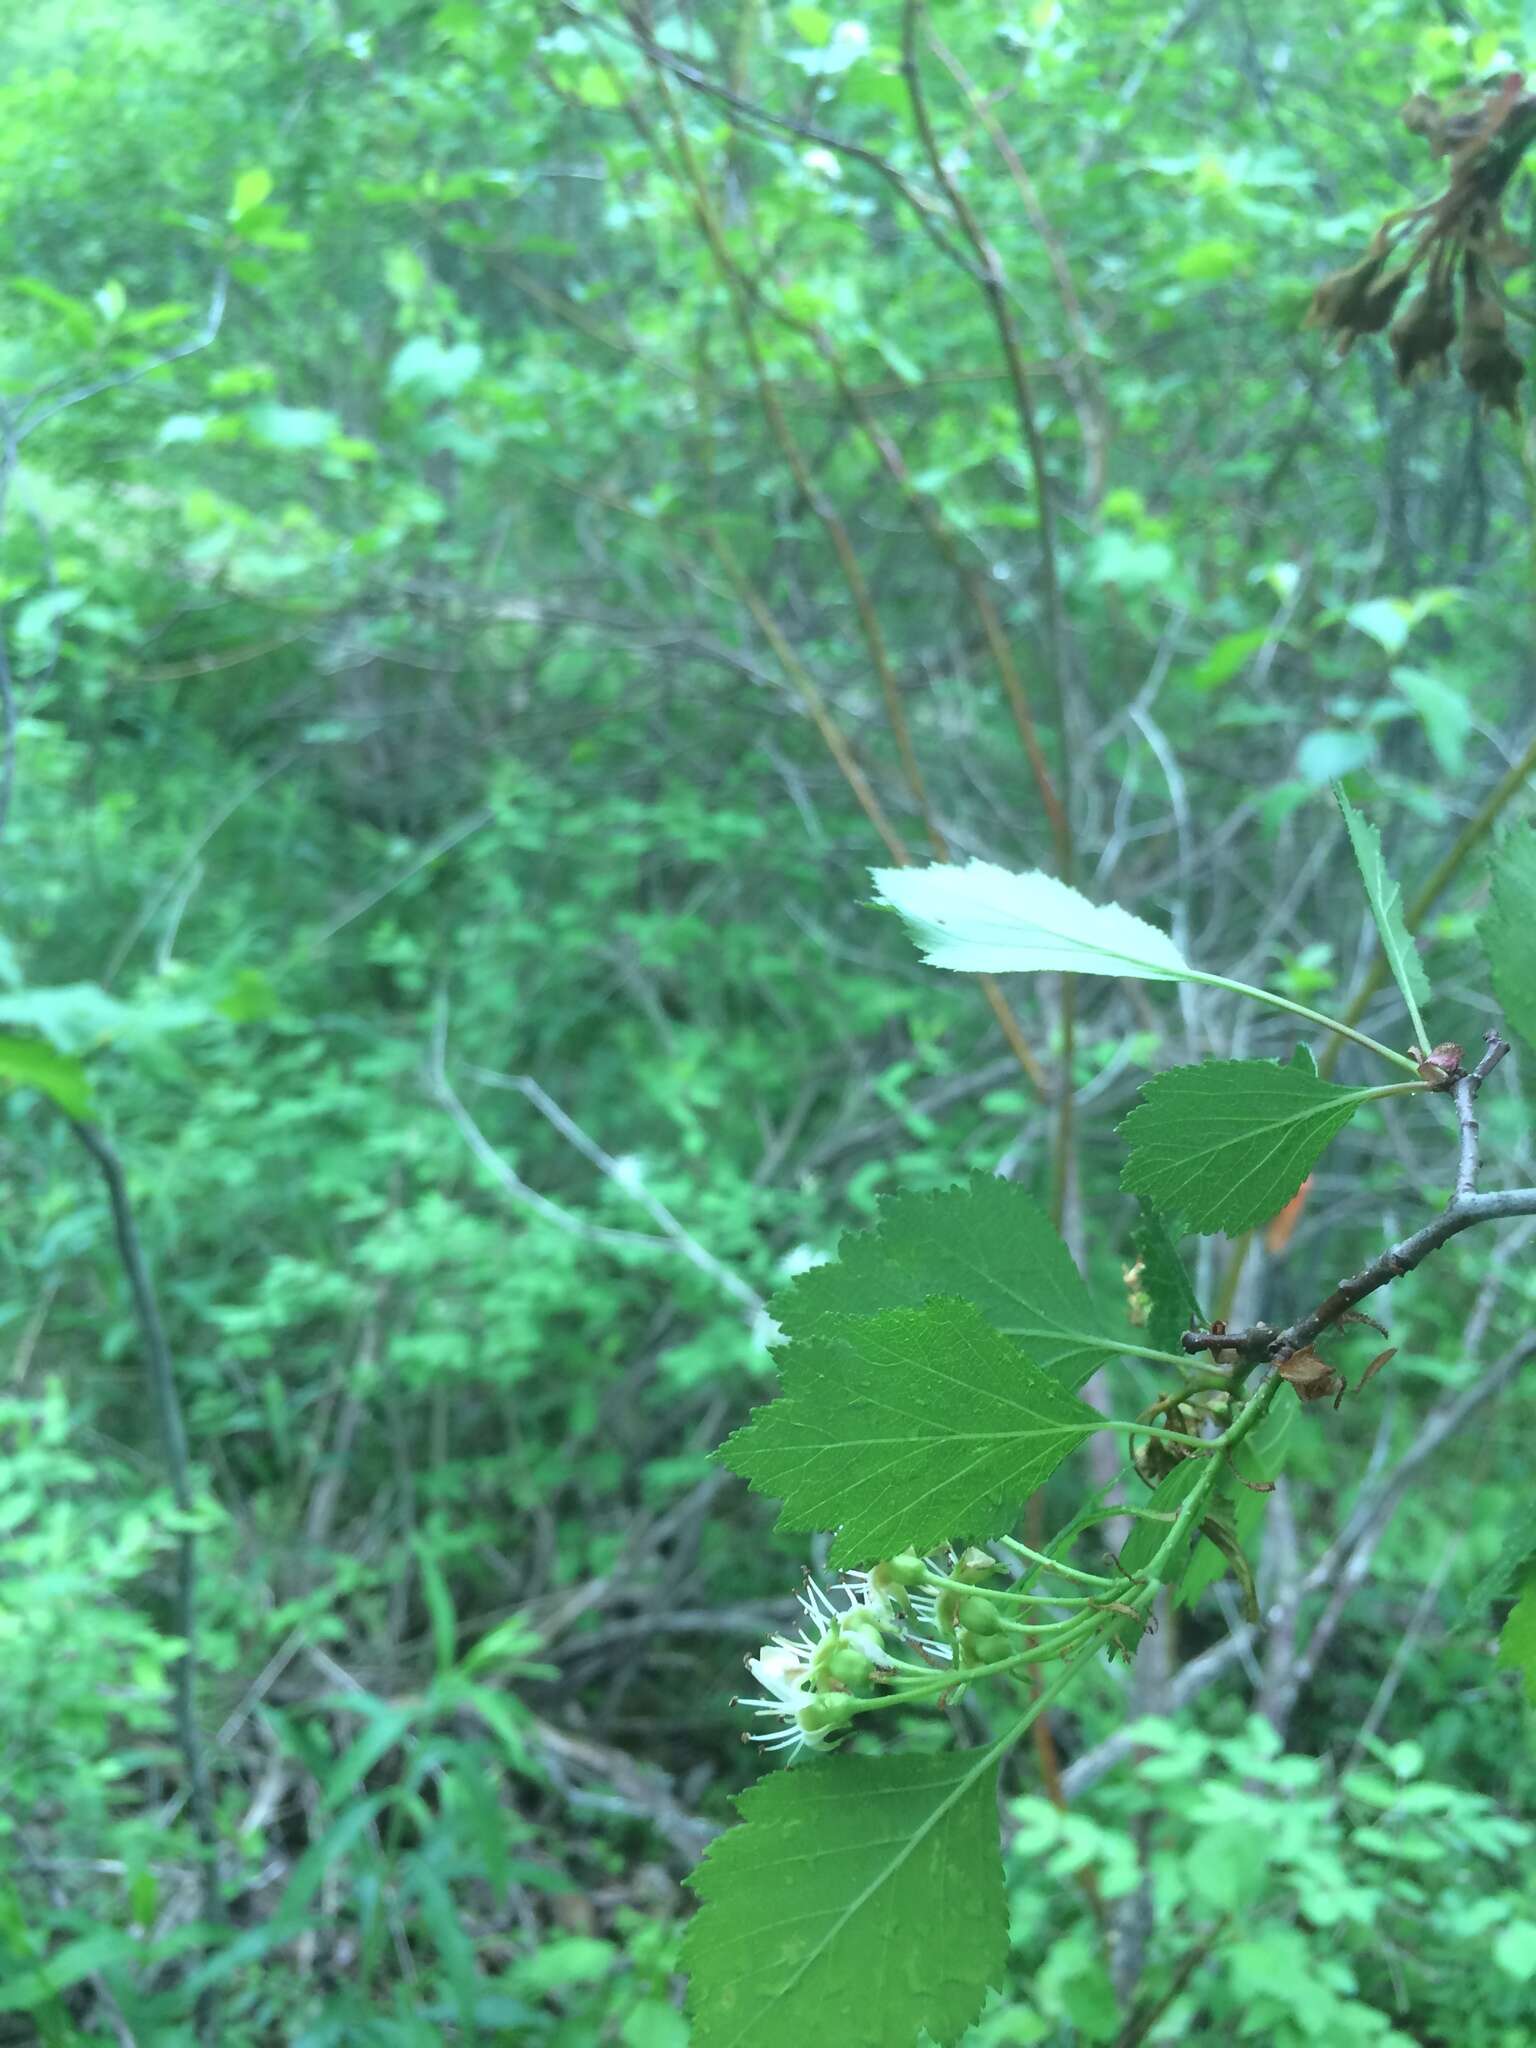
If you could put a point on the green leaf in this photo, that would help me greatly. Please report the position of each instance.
(1386, 903)
(1166, 1284)
(1387, 620)
(253, 188)
(290, 426)
(1444, 713)
(431, 370)
(1328, 753)
(859, 1902)
(1227, 657)
(1507, 930)
(1517, 1644)
(980, 919)
(1514, 1950)
(28, 1063)
(1224, 1146)
(987, 1241)
(78, 1015)
(906, 1430)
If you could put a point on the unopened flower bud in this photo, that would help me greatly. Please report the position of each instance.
(906, 1570)
(848, 1666)
(827, 1712)
(976, 1564)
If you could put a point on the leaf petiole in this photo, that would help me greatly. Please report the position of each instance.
(1333, 1024)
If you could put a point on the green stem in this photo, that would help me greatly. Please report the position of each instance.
(1054, 1564)
(1263, 995)
(1123, 1350)
(1163, 1436)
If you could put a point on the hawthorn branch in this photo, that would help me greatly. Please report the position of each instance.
(1462, 1213)
(1465, 1208)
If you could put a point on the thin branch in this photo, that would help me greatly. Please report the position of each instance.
(1364, 1528)
(173, 1438)
(1462, 1213)
(1466, 1112)
(925, 207)
(730, 1283)
(510, 1183)
(28, 424)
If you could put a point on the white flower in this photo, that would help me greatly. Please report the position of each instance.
(782, 1668)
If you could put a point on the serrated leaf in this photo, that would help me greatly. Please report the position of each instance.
(986, 1241)
(1224, 1145)
(908, 1429)
(859, 1901)
(28, 1063)
(980, 919)
(1166, 1285)
(1506, 1572)
(1517, 1643)
(1507, 929)
(1386, 903)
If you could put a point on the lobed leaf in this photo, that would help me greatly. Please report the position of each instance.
(1386, 903)
(1507, 930)
(906, 1430)
(858, 1902)
(986, 1241)
(1223, 1145)
(981, 919)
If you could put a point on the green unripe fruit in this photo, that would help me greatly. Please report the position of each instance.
(986, 1649)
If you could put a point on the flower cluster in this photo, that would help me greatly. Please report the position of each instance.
(845, 1657)
(1453, 244)
(912, 1629)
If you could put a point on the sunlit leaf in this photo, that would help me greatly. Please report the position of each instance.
(981, 919)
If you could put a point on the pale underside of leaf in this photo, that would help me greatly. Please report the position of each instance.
(908, 1429)
(982, 919)
(1386, 903)
(859, 1901)
(1224, 1145)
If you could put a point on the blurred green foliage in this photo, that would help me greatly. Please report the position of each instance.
(376, 425)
